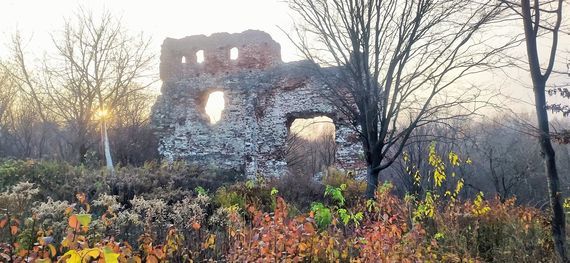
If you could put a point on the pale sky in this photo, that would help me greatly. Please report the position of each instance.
(157, 19)
(37, 19)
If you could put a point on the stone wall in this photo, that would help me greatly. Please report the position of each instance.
(262, 96)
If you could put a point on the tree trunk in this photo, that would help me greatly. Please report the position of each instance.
(82, 153)
(548, 154)
(372, 179)
(372, 175)
(108, 159)
(539, 87)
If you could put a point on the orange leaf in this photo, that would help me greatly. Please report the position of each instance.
(73, 222)
(3, 222)
(13, 230)
(303, 247)
(151, 259)
(251, 209)
(22, 253)
(52, 250)
(158, 252)
(68, 210)
(80, 197)
(309, 228)
(196, 225)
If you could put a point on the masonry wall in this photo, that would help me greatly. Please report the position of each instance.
(262, 96)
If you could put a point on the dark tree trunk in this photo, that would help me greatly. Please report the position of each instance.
(372, 182)
(548, 154)
(539, 79)
(82, 153)
(372, 175)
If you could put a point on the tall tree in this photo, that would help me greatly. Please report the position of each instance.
(400, 63)
(96, 65)
(542, 20)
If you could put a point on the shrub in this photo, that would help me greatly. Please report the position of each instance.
(251, 221)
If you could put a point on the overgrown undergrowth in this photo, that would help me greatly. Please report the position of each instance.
(183, 214)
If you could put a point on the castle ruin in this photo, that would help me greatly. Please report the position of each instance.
(262, 97)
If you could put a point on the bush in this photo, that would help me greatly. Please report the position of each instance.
(252, 221)
(168, 181)
(299, 190)
(496, 231)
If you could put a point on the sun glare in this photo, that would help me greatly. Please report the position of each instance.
(312, 128)
(101, 114)
(215, 105)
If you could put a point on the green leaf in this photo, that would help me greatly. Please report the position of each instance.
(344, 216)
(84, 219)
(200, 190)
(274, 191)
(323, 216)
(250, 184)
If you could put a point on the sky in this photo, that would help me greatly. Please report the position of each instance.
(36, 19)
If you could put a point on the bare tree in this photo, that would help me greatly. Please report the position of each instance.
(132, 138)
(542, 20)
(97, 64)
(7, 91)
(7, 98)
(309, 156)
(506, 158)
(400, 64)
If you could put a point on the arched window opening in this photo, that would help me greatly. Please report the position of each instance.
(234, 53)
(215, 105)
(311, 146)
(200, 56)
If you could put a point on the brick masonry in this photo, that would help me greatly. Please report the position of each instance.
(262, 96)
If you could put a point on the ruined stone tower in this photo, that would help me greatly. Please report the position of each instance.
(262, 96)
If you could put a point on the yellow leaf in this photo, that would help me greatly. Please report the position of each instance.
(302, 247)
(72, 257)
(90, 252)
(210, 242)
(65, 242)
(110, 256)
(52, 250)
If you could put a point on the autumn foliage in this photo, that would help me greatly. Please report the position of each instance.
(387, 229)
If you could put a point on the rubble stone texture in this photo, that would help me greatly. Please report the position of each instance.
(263, 96)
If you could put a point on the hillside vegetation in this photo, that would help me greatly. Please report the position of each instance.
(179, 213)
